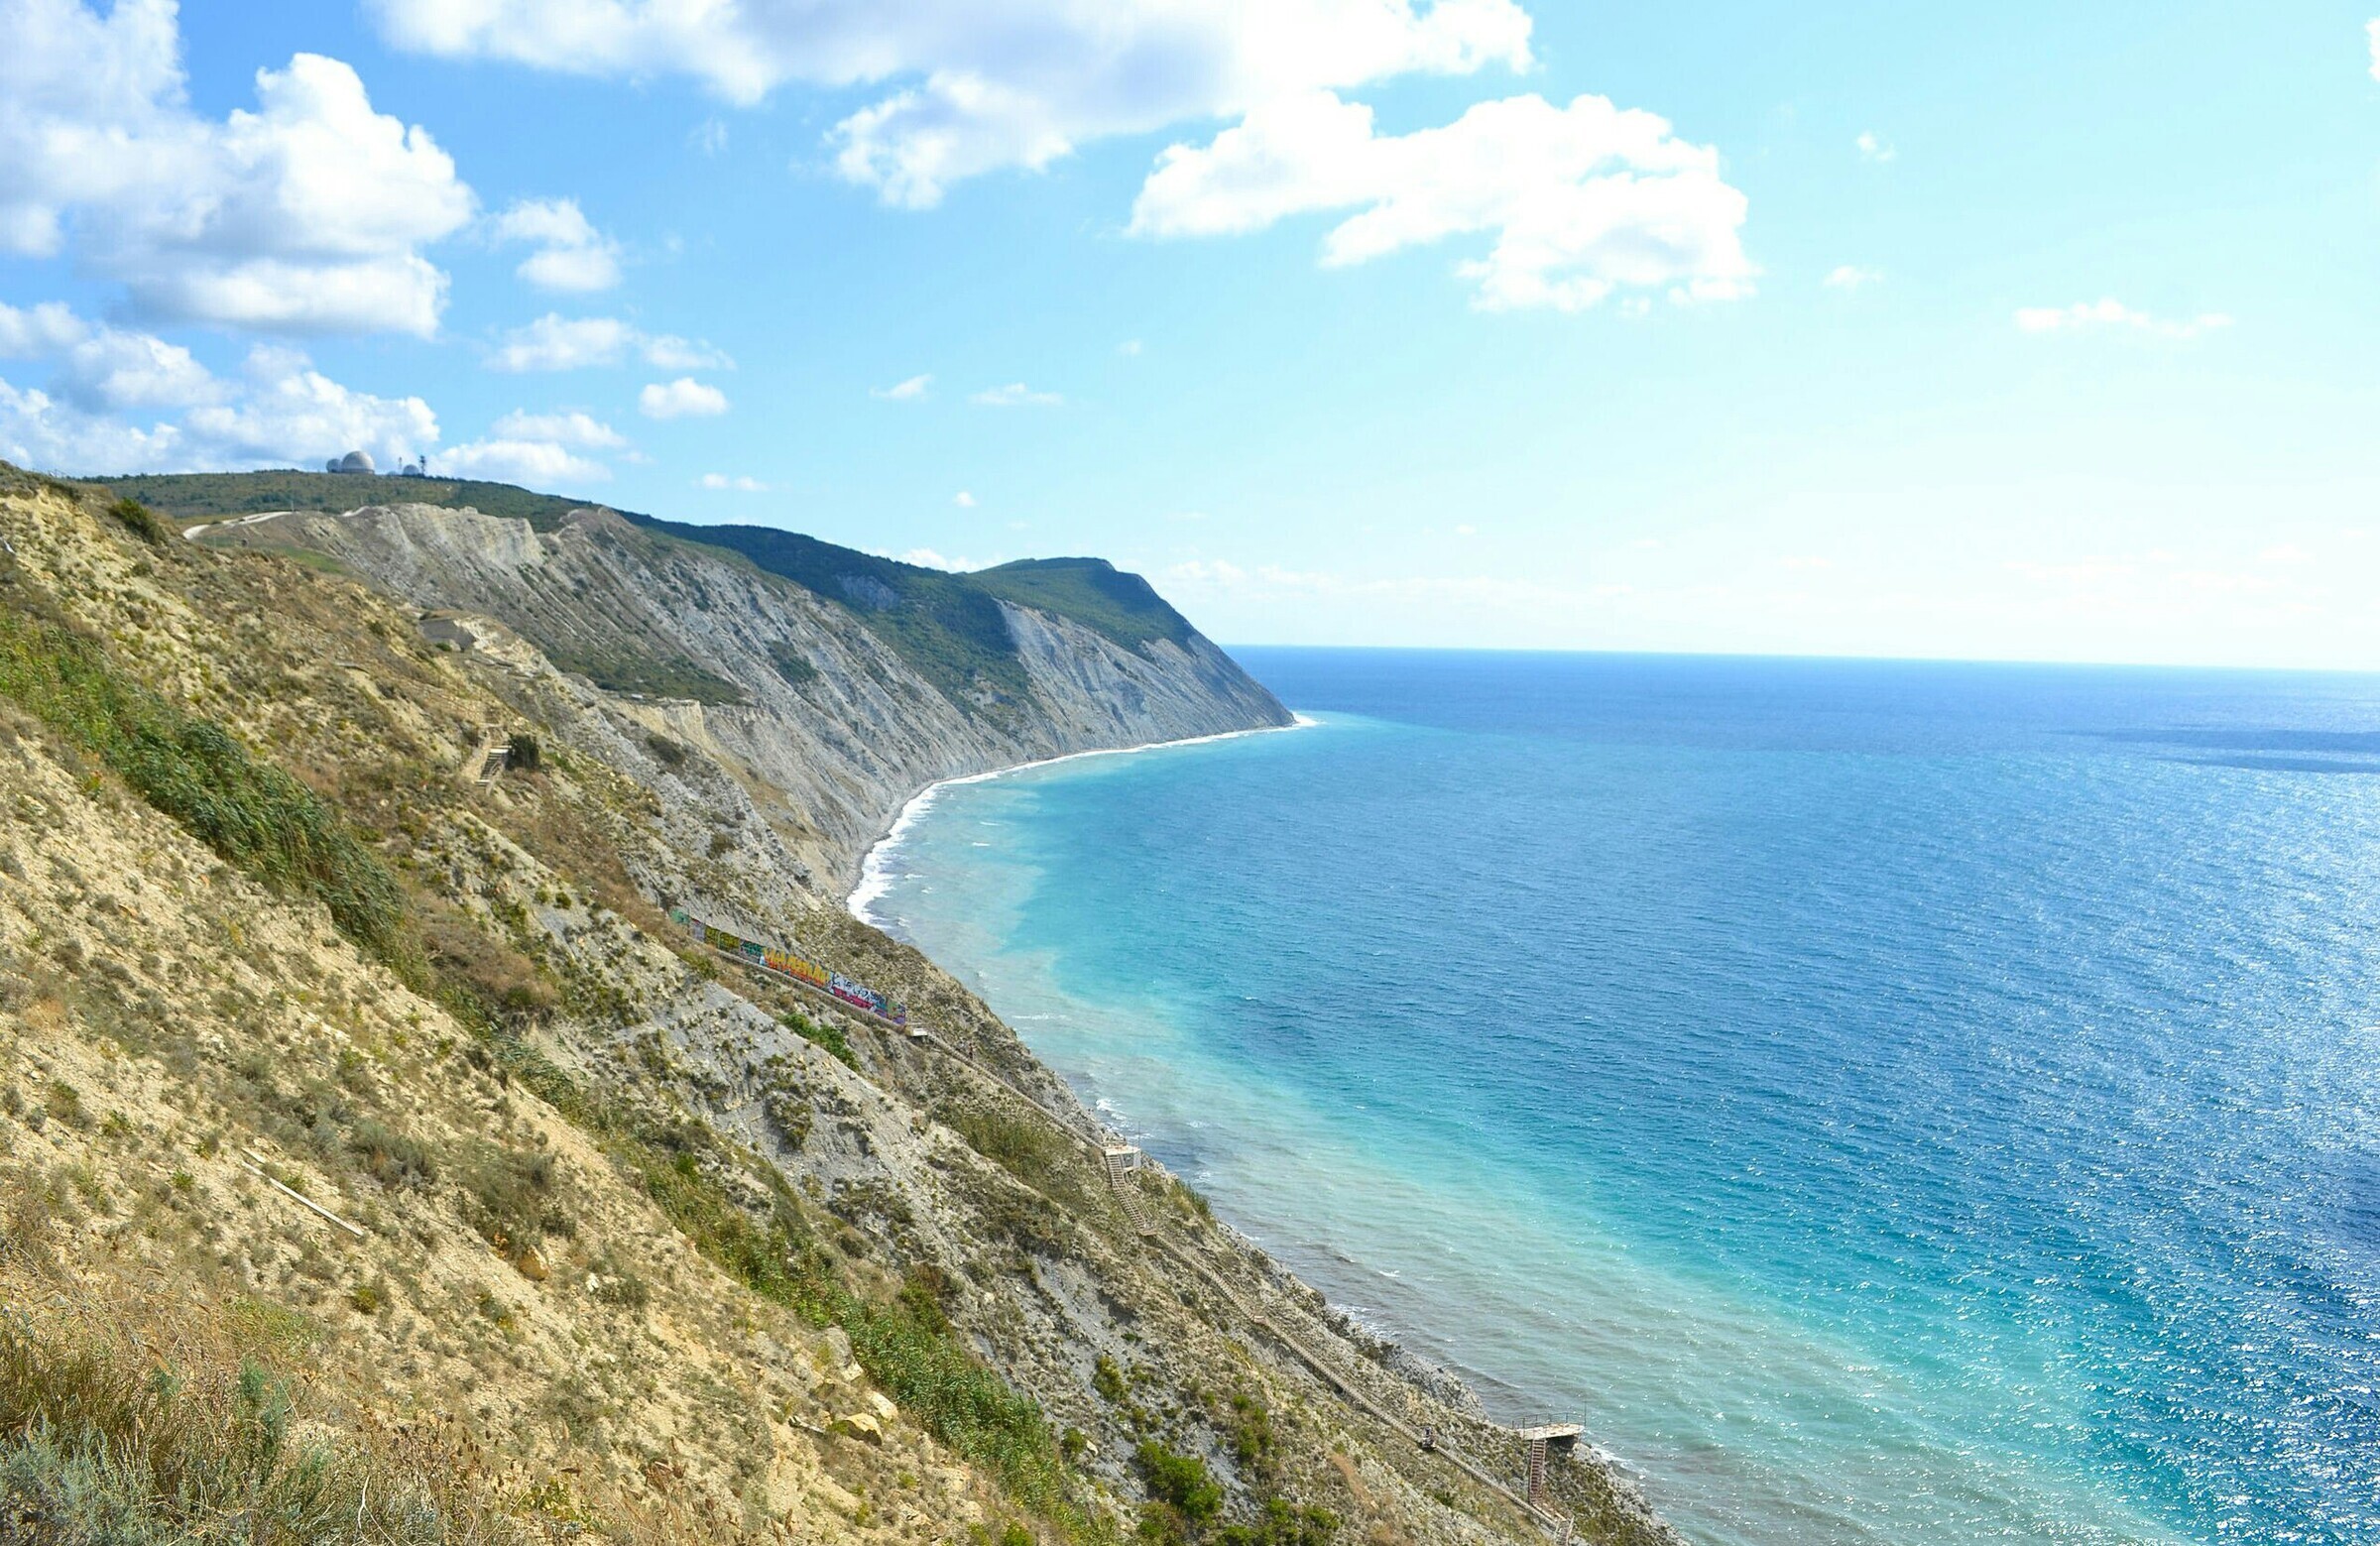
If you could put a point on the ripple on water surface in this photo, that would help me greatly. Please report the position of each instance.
(1891, 1101)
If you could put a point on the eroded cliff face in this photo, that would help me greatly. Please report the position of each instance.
(825, 728)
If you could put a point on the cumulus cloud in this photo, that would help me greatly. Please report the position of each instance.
(285, 409)
(910, 390)
(280, 411)
(2114, 314)
(32, 331)
(970, 87)
(307, 214)
(1851, 276)
(684, 398)
(740, 485)
(571, 255)
(2371, 39)
(533, 463)
(928, 558)
(1014, 395)
(963, 499)
(558, 343)
(583, 431)
(1581, 199)
(1872, 149)
(103, 368)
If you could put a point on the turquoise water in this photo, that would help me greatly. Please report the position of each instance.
(1886, 1102)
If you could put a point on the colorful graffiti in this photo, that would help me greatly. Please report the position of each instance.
(787, 964)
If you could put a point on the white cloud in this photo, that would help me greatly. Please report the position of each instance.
(33, 331)
(1014, 395)
(36, 430)
(963, 499)
(1129, 348)
(538, 464)
(1581, 199)
(1851, 276)
(583, 431)
(117, 369)
(280, 411)
(571, 254)
(1872, 149)
(102, 368)
(558, 343)
(286, 409)
(2091, 315)
(910, 390)
(668, 351)
(720, 480)
(309, 213)
(684, 398)
(1274, 582)
(2371, 39)
(709, 136)
(971, 87)
(928, 558)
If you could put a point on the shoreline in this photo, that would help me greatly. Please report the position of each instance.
(872, 884)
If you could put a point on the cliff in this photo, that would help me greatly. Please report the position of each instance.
(376, 1161)
(826, 703)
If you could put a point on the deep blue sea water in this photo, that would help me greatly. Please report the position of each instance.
(1886, 1102)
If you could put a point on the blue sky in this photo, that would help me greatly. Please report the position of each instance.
(2045, 331)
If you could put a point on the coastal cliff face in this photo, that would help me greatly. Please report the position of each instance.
(823, 725)
(338, 1084)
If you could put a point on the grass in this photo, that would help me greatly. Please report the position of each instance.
(251, 813)
(1024, 1148)
(104, 1445)
(906, 1343)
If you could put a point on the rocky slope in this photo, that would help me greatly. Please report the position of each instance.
(825, 724)
(378, 1162)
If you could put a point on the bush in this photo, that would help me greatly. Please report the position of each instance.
(1282, 1525)
(1184, 1495)
(142, 522)
(392, 1158)
(515, 1199)
(823, 1034)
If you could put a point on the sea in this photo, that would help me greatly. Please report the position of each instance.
(1884, 1102)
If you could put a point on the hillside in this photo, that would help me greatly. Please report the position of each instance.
(378, 1160)
(949, 629)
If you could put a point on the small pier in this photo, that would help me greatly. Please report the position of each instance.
(1539, 1441)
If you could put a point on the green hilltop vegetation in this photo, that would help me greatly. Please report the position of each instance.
(947, 627)
(187, 497)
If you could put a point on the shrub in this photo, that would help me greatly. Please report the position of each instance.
(1185, 1496)
(514, 1198)
(394, 1160)
(823, 1034)
(142, 522)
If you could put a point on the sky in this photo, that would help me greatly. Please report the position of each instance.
(2035, 331)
